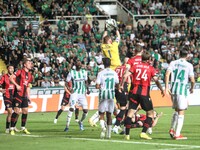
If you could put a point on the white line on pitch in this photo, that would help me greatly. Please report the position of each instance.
(133, 142)
(118, 141)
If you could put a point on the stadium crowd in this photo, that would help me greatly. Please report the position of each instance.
(54, 51)
(147, 7)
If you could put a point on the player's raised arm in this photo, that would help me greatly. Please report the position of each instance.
(118, 35)
(105, 33)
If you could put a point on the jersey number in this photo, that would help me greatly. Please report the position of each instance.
(180, 75)
(109, 83)
(119, 72)
(141, 75)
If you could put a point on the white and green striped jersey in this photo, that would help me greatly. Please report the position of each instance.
(78, 79)
(107, 79)
(181, 71)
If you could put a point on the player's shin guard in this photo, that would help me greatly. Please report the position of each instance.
(58, 113)
(119, 117)
(76, 113)
(179, 124)
(13, 119)
(147, 124)
(7, 125)
(24, 118)
(102, 124)
(174, 120)
(84, 115)
(108, 131)
(69, 116)
(127, 125)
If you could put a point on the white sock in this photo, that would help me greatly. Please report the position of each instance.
(84, 115)
(108, 132)
(23, 128)
(69, 116)
(102, 124)
(96, 120)
(179, 124)
(96, 115)
(174, 120)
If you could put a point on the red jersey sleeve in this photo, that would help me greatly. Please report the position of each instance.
(18, 73)
(2, 80)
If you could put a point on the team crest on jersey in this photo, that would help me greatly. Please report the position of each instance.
(8, 105)
(17, 104)
(63, 103)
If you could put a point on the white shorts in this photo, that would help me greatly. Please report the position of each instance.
(179, 102)
(79, 99)
(106, 106)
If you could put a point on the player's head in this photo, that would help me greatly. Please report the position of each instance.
(78, 65)
(107, 40)
(27, 63)
(184, 52)
(138, 48)
(146, 56)
(106, 62)
(10, 68)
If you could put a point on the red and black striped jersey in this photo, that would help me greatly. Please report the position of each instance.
(7, 85)
(134, 60)
(142, 74)
(23, 79)
(120, 71)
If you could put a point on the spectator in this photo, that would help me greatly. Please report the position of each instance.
(86, 28)
(45, 83)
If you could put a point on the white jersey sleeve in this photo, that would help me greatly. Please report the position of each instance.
(98, 80)
(69, 77)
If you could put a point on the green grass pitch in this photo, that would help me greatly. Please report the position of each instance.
(46, 135)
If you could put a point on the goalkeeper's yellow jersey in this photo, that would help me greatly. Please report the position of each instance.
(111, 51)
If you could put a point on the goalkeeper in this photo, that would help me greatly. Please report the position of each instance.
(110, 48)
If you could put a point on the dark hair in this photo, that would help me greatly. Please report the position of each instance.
(106, 62)
(9, 65)
(184, 52)
(146, 56)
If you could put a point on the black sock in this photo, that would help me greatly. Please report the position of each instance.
(13, 119)
(135, 125)
(76, 113)
(58, 113)
(7, 125)
(128, 125)
(147, 124)
(24, 118)
(15, 123)
(119, 117)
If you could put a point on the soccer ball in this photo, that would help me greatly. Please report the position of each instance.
(111, 24)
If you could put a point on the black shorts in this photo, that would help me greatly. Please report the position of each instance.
(65, 99)
(20, 102)
(144, 101)
(121, 97)
(8, 102)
